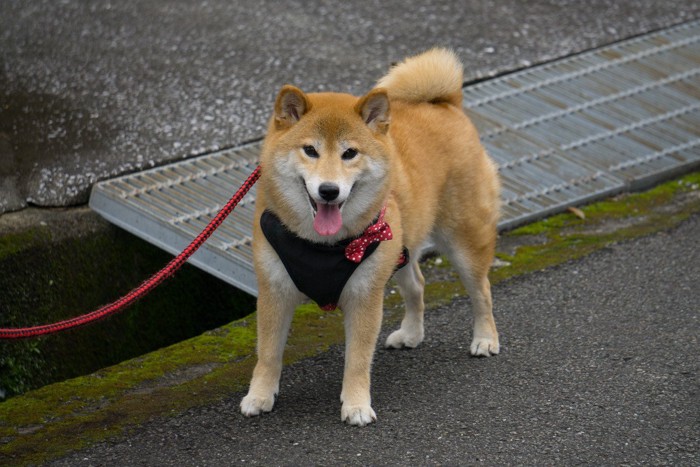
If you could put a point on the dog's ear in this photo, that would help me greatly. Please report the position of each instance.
(374, 110)
(290, 106)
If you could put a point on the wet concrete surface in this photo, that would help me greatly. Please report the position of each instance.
(40, 128)
(93, 90)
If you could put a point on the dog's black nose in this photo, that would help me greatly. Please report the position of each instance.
(329, 191)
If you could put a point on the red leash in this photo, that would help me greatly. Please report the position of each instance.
(150, 284)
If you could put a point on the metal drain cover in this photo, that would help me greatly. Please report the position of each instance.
(616, 118)
(620, 117)
(170, 205)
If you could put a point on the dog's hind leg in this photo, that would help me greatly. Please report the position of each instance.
(473, 262)
(485, 340)
(411, 284)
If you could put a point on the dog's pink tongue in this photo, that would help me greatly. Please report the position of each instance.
(328, 220)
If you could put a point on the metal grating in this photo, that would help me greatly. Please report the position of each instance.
(170, 205)
(620, 117)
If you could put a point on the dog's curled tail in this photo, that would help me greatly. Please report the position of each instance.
(433, 76)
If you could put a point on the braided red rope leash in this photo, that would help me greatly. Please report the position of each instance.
(150, 284)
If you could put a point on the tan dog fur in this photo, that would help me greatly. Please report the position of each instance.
(419, 155)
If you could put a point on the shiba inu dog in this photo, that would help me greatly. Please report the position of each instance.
(350, 188)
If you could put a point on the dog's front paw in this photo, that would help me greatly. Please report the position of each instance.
(484, 347)
(253, 405)
(359, 415)
(404, 338)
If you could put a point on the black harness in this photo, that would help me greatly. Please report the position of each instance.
(320, 271)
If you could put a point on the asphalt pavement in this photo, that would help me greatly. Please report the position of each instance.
(598, 367)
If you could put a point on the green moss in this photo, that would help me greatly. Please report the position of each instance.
(623, 206)
(555, 222)
(567, 237)
(14, 243)
(51, 421)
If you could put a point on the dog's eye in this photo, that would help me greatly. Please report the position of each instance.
(349, 154)
(310, 151)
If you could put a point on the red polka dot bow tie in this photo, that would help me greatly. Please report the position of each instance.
(377, 232)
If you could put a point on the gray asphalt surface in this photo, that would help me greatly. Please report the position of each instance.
(599, 366)
(92, 90)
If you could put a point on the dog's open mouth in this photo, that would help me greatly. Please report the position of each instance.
(328, 219)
